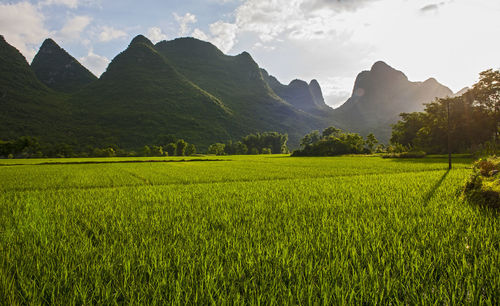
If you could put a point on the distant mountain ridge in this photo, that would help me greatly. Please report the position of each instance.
(188, 88)
(381, 94)
(306, 97)
(58, 70)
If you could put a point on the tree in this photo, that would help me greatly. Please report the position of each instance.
(474, 119)
(405, 130)
(216, 148)
(310, 139)
(229, 148)
(267, 151)
(180, 147)
(486, 94)
(190, 149)
(157, 151)
(171, 149)
(273, 140)
(335, 142)
(146, 151)
(371, 142)
(109, 152)
(331, 131)
(240, 148)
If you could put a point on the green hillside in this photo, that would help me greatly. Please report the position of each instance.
(141, 96)
(238, 82)
(58, 70)
(28, 106)
(187, 88)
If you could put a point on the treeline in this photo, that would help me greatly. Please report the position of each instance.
(31, 147)
(471, 120)
(333, 141)
(259, 143)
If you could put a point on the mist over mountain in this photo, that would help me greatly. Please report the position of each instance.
(188, 88)
(58, 70)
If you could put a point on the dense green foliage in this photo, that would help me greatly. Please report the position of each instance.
(334, 141)
(27, 106)
(31, 147)
(483, 187)
(258, 143)
(474, 120)
(268, 229)
(54, 67)
(141, 97)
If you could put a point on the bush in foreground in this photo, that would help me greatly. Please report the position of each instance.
(483, 187)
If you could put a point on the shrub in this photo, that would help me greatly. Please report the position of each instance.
(216, 148)
(483, 187)
(487, 166)
(266, 151)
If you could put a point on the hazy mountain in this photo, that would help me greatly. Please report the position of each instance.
(380, 95)
(27, 106)
(306, 97)
(59, 70)
(461, 91)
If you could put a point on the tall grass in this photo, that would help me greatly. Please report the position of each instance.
(267, 230)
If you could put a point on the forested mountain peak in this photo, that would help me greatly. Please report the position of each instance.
(141, 39)
(60, 71)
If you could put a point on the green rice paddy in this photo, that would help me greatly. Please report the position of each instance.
(244, 230)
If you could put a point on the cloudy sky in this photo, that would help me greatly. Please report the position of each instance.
(328, 40)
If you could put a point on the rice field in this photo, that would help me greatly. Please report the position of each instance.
(266, 230)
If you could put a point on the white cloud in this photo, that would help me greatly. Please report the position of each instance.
(69, 3)
(73, 28)
(110, 33)
(222, 35)
(22, 25)
(155, 34)
(259, 45)
(334, 40)
(94, 62)
(72, 4)
(197, 33)
(336, 89)
(185, 22)
(336, 5)
(297, 19)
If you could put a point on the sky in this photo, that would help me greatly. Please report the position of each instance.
(327, 40)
